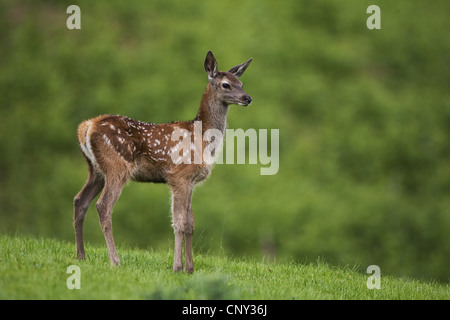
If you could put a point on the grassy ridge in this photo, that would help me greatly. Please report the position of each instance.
(32, 268)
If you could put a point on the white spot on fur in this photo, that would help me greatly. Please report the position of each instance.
(105, 137)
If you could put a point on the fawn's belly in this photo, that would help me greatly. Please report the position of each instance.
(149, 173)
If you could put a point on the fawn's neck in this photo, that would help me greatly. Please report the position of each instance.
(212, 112)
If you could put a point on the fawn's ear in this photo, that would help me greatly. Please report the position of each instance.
(210, 65)
(239, 69)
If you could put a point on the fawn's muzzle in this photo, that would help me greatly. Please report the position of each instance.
(246, 100)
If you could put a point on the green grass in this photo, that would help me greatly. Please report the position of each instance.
(32, 268)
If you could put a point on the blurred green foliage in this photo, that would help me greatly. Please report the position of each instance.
(364, 119)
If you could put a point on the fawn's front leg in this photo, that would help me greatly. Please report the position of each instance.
(189, 233)
(180, 203)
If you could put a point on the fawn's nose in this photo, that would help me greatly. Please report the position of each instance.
(248, 99)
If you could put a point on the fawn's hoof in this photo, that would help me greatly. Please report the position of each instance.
(177, 268)
(190, 270)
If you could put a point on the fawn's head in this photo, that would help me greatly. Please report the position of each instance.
(226, 85)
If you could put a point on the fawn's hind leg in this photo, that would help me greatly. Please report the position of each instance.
(109, 196)
(81, 203)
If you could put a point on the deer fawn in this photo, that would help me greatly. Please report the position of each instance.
(118, 149)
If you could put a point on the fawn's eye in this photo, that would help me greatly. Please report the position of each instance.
(225, 85)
